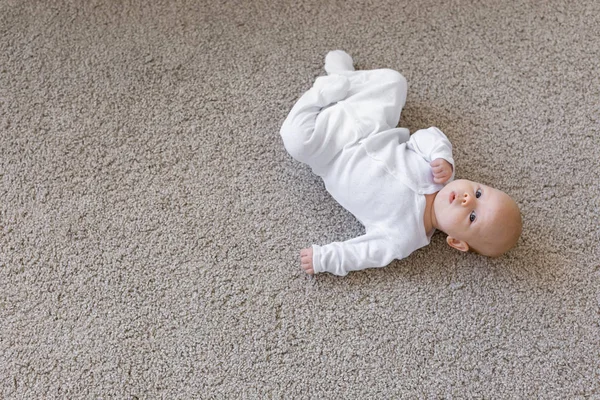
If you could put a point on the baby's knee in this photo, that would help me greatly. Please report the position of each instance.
(393, 77)
(293, 141)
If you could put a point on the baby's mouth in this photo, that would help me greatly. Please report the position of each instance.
(452, 197)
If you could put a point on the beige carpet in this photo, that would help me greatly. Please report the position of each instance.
(150, 218)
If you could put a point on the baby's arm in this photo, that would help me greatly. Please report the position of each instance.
(435, 148)
(372, 250)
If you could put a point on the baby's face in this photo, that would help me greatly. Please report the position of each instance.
(477, 214)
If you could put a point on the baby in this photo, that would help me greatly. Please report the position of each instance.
(401, 187)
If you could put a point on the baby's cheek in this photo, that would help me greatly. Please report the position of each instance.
(452, 224)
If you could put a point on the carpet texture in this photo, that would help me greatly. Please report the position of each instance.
(151, 219)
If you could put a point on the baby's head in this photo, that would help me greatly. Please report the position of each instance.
(477, 217)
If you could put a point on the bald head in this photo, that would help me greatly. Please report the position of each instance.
(503, 229)
(477, 217)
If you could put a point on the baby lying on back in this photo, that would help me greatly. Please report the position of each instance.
(401, 187)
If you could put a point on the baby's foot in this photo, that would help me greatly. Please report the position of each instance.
(332, 88)
(337, 61)
(306, 256)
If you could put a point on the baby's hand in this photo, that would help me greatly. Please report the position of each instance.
(442, 170)
(306, 256)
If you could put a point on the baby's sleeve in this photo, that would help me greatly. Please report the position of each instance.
(372, 250)
(431, 144)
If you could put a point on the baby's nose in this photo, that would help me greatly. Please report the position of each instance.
(466, 199)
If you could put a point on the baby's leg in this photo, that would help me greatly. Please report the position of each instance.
(367, 102)
(308, 135)
(375, 98)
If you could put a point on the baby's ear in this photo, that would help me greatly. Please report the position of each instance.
(457, 244)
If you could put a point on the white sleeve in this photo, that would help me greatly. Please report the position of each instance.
(431, 144)
(372, 250)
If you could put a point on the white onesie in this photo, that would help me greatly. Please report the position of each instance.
(344, 128)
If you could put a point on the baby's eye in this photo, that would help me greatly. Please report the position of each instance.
(478, 193)
(472, 216)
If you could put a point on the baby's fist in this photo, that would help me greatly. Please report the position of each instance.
(306, 256)
(442, 170)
